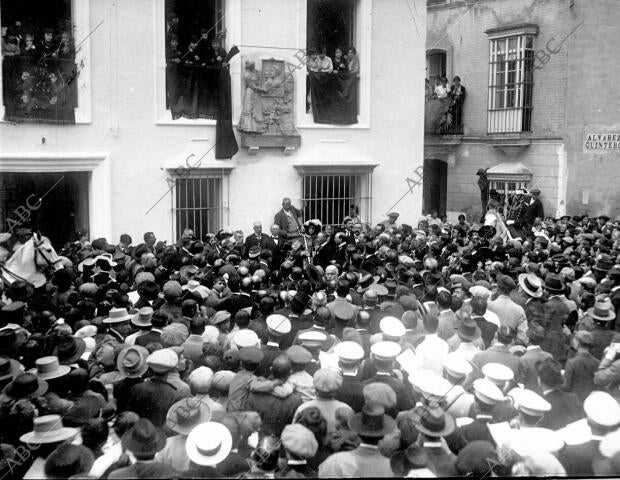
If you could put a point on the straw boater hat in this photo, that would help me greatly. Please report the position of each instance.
(48, 429)
(117, 315)
(208, 444)
(48, 368)
(143, 317)
(531, 284)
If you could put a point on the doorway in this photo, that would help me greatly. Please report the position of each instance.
(435, 186)
(62, 212)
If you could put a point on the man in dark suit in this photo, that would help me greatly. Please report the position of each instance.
(158, 322)
(534, 207)
(275, 243)
(325, 251)
(256, 238)
(383, 355)
(498, 353)
(340, 252)
(528, 374)
(289, 221)
(350, 355)
(565, 406)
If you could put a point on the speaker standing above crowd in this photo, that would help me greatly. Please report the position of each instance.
(315, 350)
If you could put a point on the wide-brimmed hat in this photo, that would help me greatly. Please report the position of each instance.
(48, 429)
(84, 409)
(469, 329)
(143, 439)
(603, 264)
(131, 361)
(9, 369)
(47, 368)
(186, 414)
(117, 315)
(602, 310)
(433, 422)
(143, 317)
(20, 290)
(208, 444)
(26, 386)
(531, 284)
(70, 349)
(372, 421)
(554, 283)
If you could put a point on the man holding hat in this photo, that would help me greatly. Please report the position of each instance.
(371, 425)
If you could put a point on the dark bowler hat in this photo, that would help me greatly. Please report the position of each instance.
(372, 421)
(26, 386)
(554, 283)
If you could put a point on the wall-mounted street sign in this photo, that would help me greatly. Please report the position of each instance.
(601, 142)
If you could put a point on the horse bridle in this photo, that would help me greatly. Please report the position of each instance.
(37, 252)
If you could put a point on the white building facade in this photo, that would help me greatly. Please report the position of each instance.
(120, 164)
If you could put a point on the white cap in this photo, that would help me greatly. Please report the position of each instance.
(245, 338)
(526, 440)
(385, 350)
(392, 327)
(430, 384)
(349, 351)
(278, 324)
(487, 392)
(531, 403)
(457, 365)
(602, 409)
(497, 373)
(312, 338)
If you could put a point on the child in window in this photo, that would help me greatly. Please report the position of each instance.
(48, 46)
(65, 47)
(340, 62)
(30, 49)
(173, 54)
(192, 56)
(354, 63)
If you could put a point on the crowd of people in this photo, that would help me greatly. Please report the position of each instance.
(316, 351)
(38, 65)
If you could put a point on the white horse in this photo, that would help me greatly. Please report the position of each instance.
(30, 261)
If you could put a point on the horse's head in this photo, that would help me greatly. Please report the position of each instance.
(44, 254)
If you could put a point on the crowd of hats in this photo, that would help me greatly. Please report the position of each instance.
(70, 349)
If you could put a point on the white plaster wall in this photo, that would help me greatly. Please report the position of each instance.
(123, 124)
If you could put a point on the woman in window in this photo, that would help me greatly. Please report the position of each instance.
(457, 94)
(354, 62)
(441, 89)
(340, 62)
(324, 62)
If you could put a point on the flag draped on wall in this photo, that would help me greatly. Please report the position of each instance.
(225, 141)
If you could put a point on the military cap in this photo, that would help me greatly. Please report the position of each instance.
(392, 327)
(456, 365)
(312, 338)
(497, 373)
(530, 403)
(244, 339)
(349, 352)
(601, 408)
(385, 350)
(487, 392)
(278, 324)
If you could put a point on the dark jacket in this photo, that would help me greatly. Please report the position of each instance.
(351, 392)
(579, 374)
(565, 409)
(152, 399)
(281, 219)
(403, 394)
(150, 337)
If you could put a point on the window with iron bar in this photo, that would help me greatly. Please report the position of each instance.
(197, 204)
(329, 197)
(506, 188)
(511, 67)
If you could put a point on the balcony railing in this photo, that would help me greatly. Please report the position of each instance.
(442, 117)
(333, 97)
(39, 90)
(192, 91)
